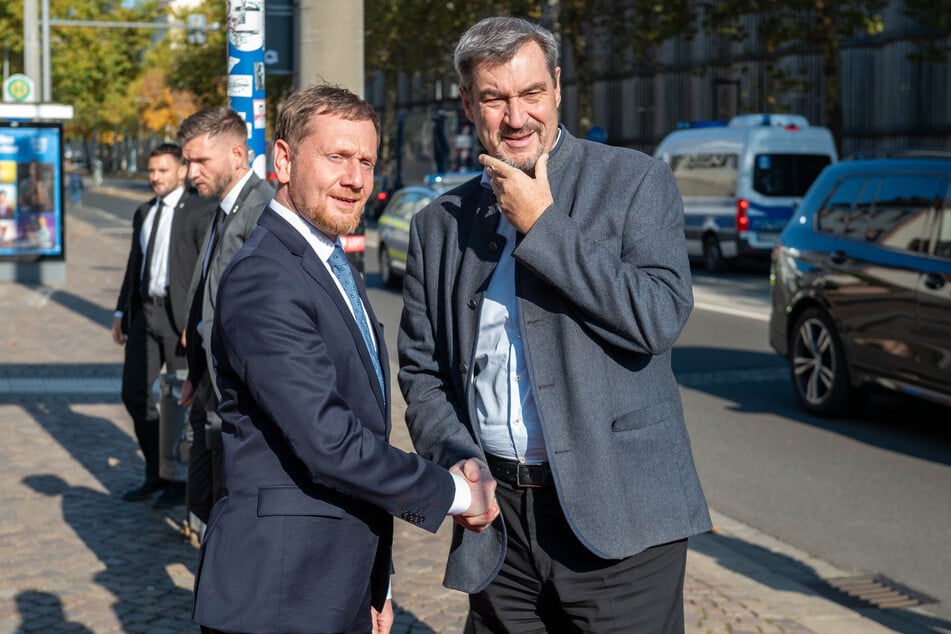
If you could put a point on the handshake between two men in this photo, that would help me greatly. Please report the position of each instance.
(483, 508)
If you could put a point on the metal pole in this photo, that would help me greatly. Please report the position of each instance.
(31, 43)
(246, 94)
(47, 73)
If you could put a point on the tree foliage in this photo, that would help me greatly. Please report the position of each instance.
(201, 69)
(798, 26)
(91, 68)
(417, 38)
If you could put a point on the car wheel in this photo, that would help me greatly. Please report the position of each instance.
(713, 260)
(387, 277)
(818, 366)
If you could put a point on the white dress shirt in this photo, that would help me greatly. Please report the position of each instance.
(323, 247)
(158, 267)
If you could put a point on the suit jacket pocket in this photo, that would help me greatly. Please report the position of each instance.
(646, 417)
(289, 500)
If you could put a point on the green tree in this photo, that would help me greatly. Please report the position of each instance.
(935, 18)
(92, 68)
(201, 69)
(802, 26)
(417, 38)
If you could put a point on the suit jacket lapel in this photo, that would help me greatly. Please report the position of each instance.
(241, 199)
(316, 270)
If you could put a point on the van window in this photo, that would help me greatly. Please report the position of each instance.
(786, 174)
(705, 174)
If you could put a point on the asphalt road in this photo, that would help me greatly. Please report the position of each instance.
(870, 493)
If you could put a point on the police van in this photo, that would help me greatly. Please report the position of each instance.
(741, 181)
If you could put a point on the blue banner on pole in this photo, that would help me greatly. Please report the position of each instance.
(246, 94)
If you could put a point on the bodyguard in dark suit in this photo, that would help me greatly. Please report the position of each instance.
(301, 539)
(214, 142)
(541, 303)
(167, 232)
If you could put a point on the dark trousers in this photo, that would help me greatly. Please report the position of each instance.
(203, 487)
(152, 342)
(550, 582)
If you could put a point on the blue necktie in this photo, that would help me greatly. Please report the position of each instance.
(341, 268)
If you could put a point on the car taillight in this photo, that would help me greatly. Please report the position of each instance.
(742, 220)
(381, 196)
(354, 243)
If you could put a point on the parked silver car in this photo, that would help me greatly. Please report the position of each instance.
(394, 221)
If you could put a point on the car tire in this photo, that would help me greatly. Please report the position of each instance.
(713, 260)
(388, 278)
(818, 366)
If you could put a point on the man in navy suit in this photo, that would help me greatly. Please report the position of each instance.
(301, 539)
(167, 234)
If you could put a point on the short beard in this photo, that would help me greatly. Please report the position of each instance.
(528, 165)
(335, 226)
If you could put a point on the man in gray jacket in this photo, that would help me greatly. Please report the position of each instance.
(215, 144)
(541, 303)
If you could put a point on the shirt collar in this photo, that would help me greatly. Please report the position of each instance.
(171, 199)
(320, 243)
(231, 198)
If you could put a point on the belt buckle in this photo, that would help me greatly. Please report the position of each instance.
(518, 478)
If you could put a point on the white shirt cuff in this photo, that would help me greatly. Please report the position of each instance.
(118, 314)
(463, 499)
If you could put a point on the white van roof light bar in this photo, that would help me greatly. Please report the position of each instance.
(769, 120)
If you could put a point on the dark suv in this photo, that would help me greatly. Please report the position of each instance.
(861, 283)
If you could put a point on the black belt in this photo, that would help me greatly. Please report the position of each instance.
(520, 474)
(155, 301)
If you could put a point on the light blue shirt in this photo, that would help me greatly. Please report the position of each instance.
(506, 412)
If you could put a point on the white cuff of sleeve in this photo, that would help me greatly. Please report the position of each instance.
(118, 314)
(389, 589)
(463, 498)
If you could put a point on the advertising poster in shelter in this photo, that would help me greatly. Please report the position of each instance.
(31, 219)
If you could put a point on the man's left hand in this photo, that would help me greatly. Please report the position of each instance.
(382, 620)
(522, 198)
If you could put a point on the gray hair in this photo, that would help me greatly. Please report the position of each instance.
(496, 40)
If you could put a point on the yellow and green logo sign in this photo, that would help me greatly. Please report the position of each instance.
(17, 88)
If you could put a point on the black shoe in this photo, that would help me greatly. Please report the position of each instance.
(144, 491)
(172, 496)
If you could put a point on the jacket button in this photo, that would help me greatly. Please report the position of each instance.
(473, 304)
(463, 368)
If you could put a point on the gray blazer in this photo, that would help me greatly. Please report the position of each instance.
(603, 293)
(237, 226)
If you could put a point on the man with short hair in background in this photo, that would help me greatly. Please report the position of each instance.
(215, 145)
(167, 235)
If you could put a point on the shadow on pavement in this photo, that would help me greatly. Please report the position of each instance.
(95, 443)
(138, 553)
(759, 382)
(43, 611)
(783, 573)
(90, 310)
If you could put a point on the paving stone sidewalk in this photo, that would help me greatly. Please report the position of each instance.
(74, 558)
